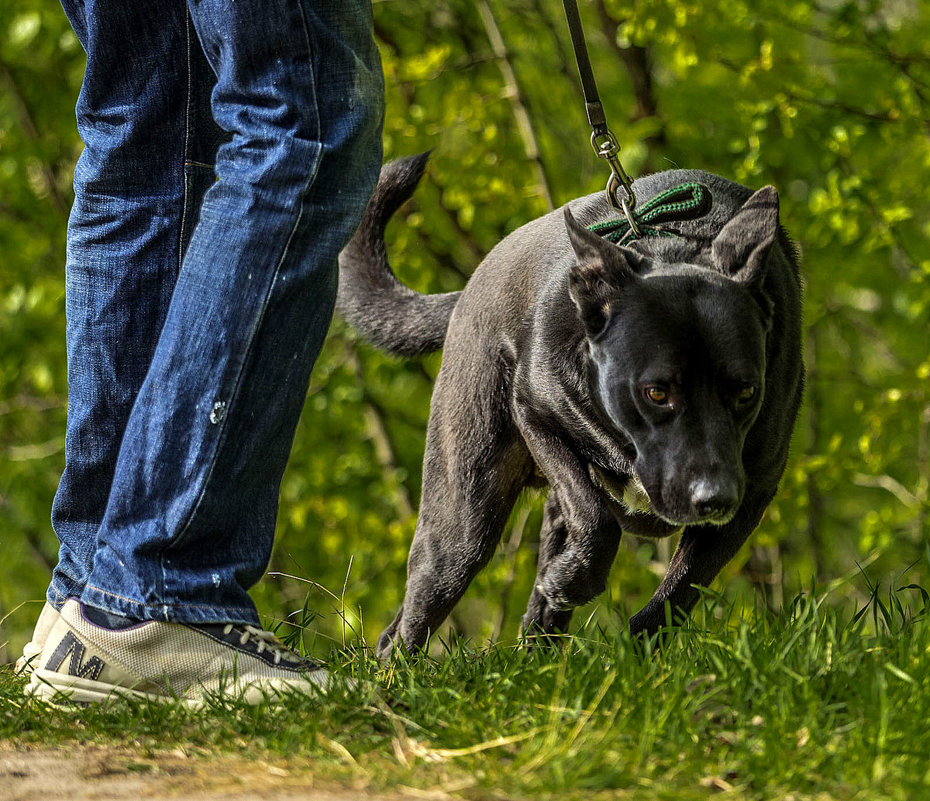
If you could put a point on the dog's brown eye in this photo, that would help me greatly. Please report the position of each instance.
(657, 395)
(745, 395)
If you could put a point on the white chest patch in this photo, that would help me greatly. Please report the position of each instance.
(631, 495)
(635, 498)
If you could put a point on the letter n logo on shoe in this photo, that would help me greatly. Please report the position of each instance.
(77, 666)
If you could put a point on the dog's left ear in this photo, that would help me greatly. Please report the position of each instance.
(741, 248)
(602, 269)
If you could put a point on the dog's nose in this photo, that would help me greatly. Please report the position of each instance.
(713, 498)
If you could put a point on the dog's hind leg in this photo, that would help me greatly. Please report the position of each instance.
(457, 532)
(474, 467)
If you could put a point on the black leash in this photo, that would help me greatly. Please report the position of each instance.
(602, 139)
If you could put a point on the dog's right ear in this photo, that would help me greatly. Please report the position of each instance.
(600, 271)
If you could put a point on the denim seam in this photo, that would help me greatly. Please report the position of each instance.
(221, 436)
(159, 580)
(55, 589)
(187, 134)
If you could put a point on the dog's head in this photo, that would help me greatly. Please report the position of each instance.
(677, 357)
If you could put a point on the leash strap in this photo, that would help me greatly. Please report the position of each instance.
(592, 100)
(602, 139)
(683, 202)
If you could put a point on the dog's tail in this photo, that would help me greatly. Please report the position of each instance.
(385, 312)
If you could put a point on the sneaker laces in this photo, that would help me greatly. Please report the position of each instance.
(263, 640)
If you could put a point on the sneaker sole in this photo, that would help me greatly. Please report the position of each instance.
(59, 689)
(26, 664)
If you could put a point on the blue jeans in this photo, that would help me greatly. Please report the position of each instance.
(230, 148)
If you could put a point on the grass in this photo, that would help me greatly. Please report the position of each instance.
(815, 703)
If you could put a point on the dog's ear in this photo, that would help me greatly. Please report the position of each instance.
(741, 248)
(600, 271)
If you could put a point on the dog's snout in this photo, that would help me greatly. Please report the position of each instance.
(713, 498)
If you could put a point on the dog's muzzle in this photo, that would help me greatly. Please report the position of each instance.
(711, 504)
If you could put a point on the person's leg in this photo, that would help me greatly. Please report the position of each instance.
(143, 114)
(191, 510)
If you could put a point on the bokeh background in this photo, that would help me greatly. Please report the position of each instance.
(829, 101)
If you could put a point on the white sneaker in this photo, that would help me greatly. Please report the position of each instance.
(85, 663)
(48, 617)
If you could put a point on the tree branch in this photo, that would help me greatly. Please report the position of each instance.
(510, 555)
(815, 499)
(380, 439)
(32, 134)
(524, 125)
(639, 67)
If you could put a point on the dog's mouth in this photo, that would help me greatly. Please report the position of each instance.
(717, 519)
(714, 519)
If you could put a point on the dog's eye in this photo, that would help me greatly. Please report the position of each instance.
(657, 395)
(745, 395)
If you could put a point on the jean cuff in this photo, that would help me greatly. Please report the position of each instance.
(167, 611)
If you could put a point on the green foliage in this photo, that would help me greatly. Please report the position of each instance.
(817, 703)
(828, 102)
(41, 64)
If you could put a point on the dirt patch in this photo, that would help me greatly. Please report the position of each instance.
(95, 773)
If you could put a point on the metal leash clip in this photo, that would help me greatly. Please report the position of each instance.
(606, 147)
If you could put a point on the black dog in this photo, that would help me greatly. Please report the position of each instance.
(653, 386)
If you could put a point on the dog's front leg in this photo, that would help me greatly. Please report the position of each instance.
(569, 574)
(542, 620)
(701, 554)
(579, 537)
